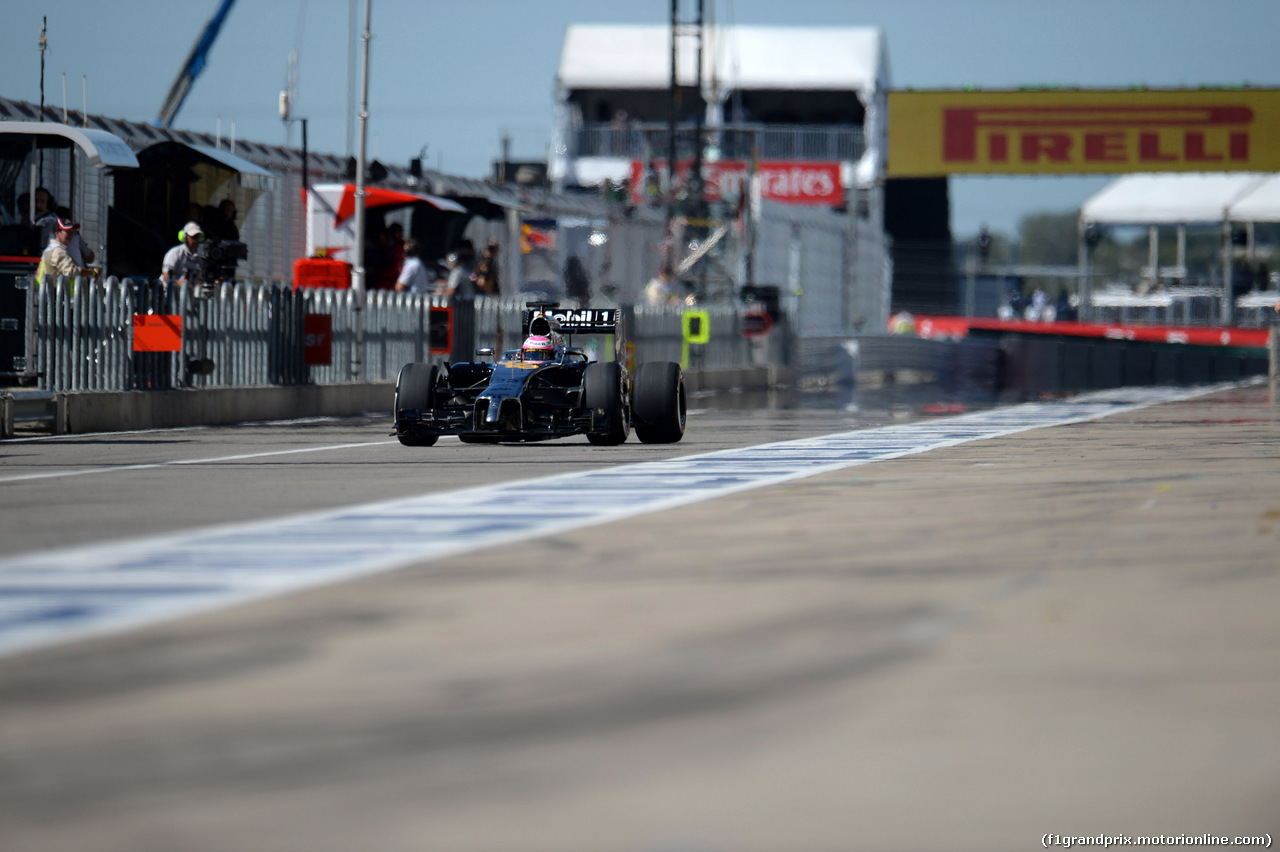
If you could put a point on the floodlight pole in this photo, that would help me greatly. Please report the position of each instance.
(674, 105)
(358, 273)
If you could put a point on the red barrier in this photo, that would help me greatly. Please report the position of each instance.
(321, 272)
(317, 336)
(157, 333)
(954, 327)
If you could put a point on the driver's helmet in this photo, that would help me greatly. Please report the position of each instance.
(538, 348)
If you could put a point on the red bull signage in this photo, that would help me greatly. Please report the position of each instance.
(787, 182)
(1083, 132)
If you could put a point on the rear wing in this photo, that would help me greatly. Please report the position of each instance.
(568, 320)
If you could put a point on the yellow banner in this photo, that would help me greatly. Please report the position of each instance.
(1083, 132)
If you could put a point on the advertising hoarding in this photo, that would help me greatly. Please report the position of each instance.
(938, 133)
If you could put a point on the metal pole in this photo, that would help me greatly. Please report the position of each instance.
(305, 169)
(1083, 291)
(671, 120)
(357, 278)
(43, 44)
(971, 288)
(351, 72)
(1224, 310)
(695, 171)
(1273, 361)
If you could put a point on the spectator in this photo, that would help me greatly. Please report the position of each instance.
(380, 273)
(1039, 305)
(46, 218)
(1241, 278)
(396, 241)
(80, 253)
(576, 282)
(486, 274)
(620, 133)
(56, 260)
(224, 227)
(413, 275)
(661, 290)
(459, 283)
(182, 262)
(1063, 309)
(1011, 307)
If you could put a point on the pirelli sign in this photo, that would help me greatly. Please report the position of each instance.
(1083, 132)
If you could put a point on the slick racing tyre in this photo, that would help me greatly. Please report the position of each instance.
(658, 406)
(414, 387)
(602, 388)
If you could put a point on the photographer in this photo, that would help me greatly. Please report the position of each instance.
(182, 263)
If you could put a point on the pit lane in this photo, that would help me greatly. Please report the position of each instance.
(491, 495)
(948, 649)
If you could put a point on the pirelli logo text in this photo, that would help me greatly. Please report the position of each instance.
(1135, 136)
(1083, 132)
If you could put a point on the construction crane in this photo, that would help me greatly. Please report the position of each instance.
(193, 66)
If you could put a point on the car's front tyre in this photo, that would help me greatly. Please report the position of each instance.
(658, 404)
(414, 388)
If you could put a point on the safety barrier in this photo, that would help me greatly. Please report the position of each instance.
(111, 335)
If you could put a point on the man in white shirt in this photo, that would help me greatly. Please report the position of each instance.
(413, 275)
(182, 263)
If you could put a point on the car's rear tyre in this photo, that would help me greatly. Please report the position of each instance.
(658, 404)
(602, 388)
(414, 386)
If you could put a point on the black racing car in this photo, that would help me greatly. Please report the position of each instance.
(513, 399)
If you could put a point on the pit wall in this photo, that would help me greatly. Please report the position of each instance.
(80, 412)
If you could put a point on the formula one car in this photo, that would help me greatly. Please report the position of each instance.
(546, 389)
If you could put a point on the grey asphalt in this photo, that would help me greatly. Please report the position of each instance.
(1071, 631)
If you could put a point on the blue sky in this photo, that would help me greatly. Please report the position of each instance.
(455, 75)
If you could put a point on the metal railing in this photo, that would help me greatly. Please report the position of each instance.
(643, 141)
(247, 335)
(939, 277)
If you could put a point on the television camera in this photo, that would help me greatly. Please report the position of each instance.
(217, 260)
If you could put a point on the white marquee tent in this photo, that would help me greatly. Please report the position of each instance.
(1215, 199)
(1170, 199)
(1261, 204)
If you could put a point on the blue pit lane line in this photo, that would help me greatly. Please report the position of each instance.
(57, 596)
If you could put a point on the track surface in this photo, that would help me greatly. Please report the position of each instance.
(1067, 630)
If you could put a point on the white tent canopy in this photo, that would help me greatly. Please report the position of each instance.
(599, 56)
(1169, 199)
(1262, 204)
(1184, 199)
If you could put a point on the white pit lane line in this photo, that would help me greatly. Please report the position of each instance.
(56, 596)
(86, 471)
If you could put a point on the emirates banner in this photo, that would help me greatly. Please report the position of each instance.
(799, 182)
(1083, 131)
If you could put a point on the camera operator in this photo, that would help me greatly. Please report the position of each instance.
(182, 263)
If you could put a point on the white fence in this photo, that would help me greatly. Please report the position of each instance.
(82, 335)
